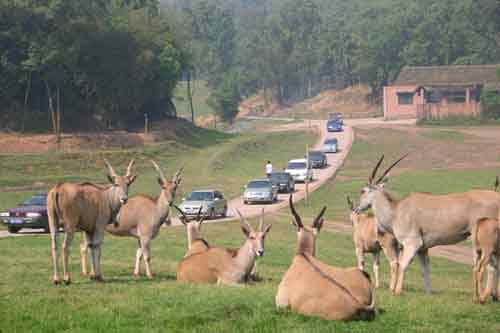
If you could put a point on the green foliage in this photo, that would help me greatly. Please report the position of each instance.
(292, 49)
(226, 98)
(89, 63)
(490, 101)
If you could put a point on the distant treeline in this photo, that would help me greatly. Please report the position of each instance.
(85, 64)
(104, 63)
(294, 48)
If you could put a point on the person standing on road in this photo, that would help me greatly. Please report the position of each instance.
(269, 168)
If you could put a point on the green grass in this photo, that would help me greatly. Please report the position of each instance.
(28, 302)
(225, 162)
(445, 135)
(458, 121)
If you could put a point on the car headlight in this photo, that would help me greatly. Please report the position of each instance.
(33, 214)
(4, 214)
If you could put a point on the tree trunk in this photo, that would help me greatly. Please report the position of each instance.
(26, 99)
(58, 114)
(190, 95)
(51, 108)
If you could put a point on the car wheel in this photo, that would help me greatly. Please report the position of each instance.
(212, 214)
(245, 202)
(224, 212)
(13, 230)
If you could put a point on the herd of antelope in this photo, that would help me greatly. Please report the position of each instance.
(401, 229)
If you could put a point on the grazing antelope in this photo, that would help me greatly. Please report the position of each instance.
(89, 208)
(421, 220)
(196, 243)
(226, 266)
(486, 247)
(313, 288)
(368, 238)
(141, 217)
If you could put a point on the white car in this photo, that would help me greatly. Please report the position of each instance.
(299, 170)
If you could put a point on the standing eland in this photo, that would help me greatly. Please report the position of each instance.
(141, 217)
(421, 221)
(89, 208)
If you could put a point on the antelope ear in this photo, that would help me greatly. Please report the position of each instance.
(111, 179)
(247, 230)
(267, 228)
(160, 181)
(131, 179)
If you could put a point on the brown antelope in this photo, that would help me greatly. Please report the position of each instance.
(89, 208)
(313, 288)
(141, 217)
(421, 220)
(486, 248)
(226, 266)
(196, 243)
(369, 239)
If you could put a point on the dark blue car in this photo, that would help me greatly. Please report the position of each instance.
(334, 125)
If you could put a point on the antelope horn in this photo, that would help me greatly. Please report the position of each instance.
(261, 221)
(129, 168)
(160, 172)
(177, 177)
(381, 178)
(319, 217)
(111, 171)
(350, 203)
(374, 172)
(198, 216)
(183, 217)
(294, 212)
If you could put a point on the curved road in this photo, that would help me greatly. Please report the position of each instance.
(321, 176)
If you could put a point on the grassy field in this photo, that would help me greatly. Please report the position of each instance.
(28, 302)
(226, 162)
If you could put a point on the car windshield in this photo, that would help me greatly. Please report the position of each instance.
(279, 176)
(37, 200)
(296, 165)
(201, 196)
(315, 154)
(258, 184)
(333, 122)
(330, 141)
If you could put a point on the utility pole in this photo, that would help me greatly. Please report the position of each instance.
(146, 123)
(307, 176)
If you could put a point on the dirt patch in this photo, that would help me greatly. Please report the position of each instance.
(43, 143)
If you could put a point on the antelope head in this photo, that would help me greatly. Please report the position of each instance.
(306, 236)
(353, 216)
(193, 227)
(373, 187)
(256, 238)
(169, 188)
(120, 184)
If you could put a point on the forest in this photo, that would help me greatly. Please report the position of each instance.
(100, 64)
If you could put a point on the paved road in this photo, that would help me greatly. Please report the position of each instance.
(335, 161)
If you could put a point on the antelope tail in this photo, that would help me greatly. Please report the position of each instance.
(54, 211)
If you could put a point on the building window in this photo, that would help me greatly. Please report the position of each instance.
(432, 96)
(456, 96)
(405, 98)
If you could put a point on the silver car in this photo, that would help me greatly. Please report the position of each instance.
(260, 190)
(330, 146)
(212, 203)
